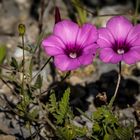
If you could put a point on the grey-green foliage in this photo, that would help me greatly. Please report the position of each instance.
(70, 132)
(63, 114)
(22, 106)
(60, 110)
(107, 127)
(124, 133)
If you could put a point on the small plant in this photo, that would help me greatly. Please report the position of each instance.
(106, 126)
(61, 111)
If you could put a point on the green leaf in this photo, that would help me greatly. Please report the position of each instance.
(107, 127)
(63, 107)
(33, 114)
(38, 83)
(14, 63)
(124, 133)
(60, 110)
(106, 137)
(22, 106)
(96, 127)
(2, 53)
(70, 132)
(82, 14)
(53, 104)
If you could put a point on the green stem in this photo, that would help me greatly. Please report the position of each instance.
(117, 87)
(23, 71)
(136, 11)
(23, 62)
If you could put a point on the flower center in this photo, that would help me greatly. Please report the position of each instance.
(120, 51)
(73, 55)
(121, 47)
(73, 51)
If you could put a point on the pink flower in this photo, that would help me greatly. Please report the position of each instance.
(119, 41)
(70, 45)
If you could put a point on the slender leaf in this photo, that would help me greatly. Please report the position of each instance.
(2, 53)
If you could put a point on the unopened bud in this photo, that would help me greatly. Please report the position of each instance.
(57, 15)
(21, 29)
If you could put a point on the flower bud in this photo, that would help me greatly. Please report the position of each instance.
(21, 29)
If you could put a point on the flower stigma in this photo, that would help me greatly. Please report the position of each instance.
(120, 51)
(73, 55)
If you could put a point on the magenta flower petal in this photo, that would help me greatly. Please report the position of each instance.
(134, 35)
(105, 38)
(53, 45)
(132, 56)
(119, 26)
(67, 31)
(87, 34)
(64, 63)
(86, 59)
(71, 46)
(108, 55)
(90, 49)
(88, 54)
(123, 46)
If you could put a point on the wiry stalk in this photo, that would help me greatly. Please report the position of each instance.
(136, 12)
(23, 72)
(52, 87)
(42, 68)
(117, 87)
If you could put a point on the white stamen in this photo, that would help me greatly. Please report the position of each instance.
(73, 55)
(120, 51)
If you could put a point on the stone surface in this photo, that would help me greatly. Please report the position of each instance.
(7, 137)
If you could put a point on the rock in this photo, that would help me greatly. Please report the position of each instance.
(3, 127)
(138, 65)
(9, 12)
(110, 10)
(75, 80)
(7, 137)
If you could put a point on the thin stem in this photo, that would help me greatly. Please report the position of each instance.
(95, 13)
(136, 11)
(54, 86)
(23, 70)
(41, 68)
(117, 87)
(23, 63)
